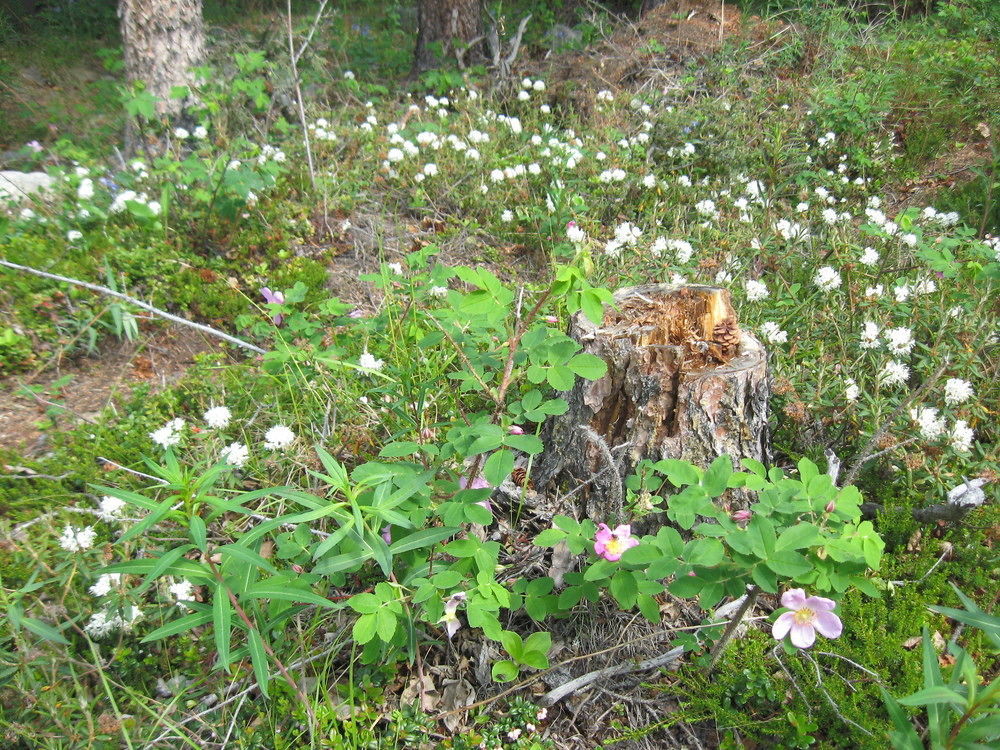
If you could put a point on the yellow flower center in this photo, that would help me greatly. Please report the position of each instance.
(804, 616)
(614, 546)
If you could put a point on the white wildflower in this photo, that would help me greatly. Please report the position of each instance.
(869, 257)
(772, 333)
(235, 454)
(182, 591)
(85, 190)
(181, 134)
(827, 278)
(930, 424)
(278, 437)
(869, 336)
(369, 362)
(110, 508)
(756, 291)
(962, 436)
(894, 373)
(899, 340)
(73, 539)
(217, 417)
(957, 391)
(105, 582)
(851, 390)
(169, 434)
(73, 235)
(507, 215)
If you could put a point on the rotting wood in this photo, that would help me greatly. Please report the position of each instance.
(683, 382)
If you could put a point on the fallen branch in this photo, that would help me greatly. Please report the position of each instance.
(568, 688)
(138, 303)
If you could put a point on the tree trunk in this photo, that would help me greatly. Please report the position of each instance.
(163, 40)
(448, 22)
(683, 382)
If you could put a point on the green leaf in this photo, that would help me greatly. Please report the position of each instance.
(624, 589)
(679, 473)
(788, 563)
(504, 671)
(364, 628)
(540, 641)
(704, 552)
(649, 607)
(42, 630)
(398, 449)
(422, 538)
(385, 624)
(934, 696)
(180, 625)
(512, 643)
(281, 588)
(642, 555)
(162, 564)
(796, 537)
(259, 659)
(222, 616)
(498, 467)
(364, 604)
(588, 366)
(905, 737)
(716, 477)
(550, 538)
(686, 586)
(198, 532)
(755, 466)
(530, 444)
(248, 556)
(560, 377)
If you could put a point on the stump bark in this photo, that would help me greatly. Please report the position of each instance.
(683, 382)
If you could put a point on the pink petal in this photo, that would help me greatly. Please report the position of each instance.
(629, 543)
(820, 604)
(625, 530)
(782, 625)
(828, 624)
(451, 627)
(611, 556)
(604, 534)
(803, 634)
(794, 599)
(599, 548)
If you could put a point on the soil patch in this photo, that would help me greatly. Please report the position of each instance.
(84, 387)
(652, 51)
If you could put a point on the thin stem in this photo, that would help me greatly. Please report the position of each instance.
(138, 303)
(727, 634)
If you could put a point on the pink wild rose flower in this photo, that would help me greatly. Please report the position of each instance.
(274, 298)
(611, 545)
(807, 615)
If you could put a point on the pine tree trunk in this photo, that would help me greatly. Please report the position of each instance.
(448, 22)
(683, 382)
(163, 40)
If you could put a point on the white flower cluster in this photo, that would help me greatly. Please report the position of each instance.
(74, 539)
(104, 623)
(126, 196)
(168, 435)
(827, 279)
(626, 235)
(321, 130)
(773, 334)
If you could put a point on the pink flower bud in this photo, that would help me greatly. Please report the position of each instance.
(515, 430)
(831, 506)
(551, 319)
(741, 516)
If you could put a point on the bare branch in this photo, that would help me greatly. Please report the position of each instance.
(138, 303)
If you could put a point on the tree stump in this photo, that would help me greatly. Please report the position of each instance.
(683, 382)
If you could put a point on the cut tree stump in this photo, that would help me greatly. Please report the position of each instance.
(683, 382)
